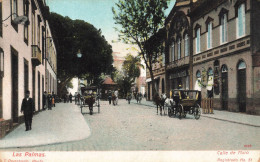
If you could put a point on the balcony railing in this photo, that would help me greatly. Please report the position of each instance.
(36, 55)
(178, 63)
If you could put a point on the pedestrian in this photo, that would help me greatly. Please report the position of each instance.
(79, 99)
(53, 99)
(44, 100)
(109, 97)
(49, 101)
(70, 97)
(28, 109)
(64, 98)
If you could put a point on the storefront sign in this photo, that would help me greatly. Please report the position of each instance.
(179, 74)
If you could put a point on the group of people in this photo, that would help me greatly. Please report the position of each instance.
(67, 98)
(48, 100)
(112, 95)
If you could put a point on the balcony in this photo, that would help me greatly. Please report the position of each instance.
(36, 55)
(179, 63)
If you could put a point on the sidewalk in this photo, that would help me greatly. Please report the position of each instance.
(63, 123)
(234, 117)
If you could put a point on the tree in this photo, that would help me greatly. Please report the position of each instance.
(140, 21)
(70, 36)
(131, 67)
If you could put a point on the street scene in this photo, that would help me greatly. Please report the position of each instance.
(135, 127)
(129, 77)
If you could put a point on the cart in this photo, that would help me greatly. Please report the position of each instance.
(185, 102)
(90, 98)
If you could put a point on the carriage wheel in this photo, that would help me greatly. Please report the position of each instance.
(180, 111)
(197, 112)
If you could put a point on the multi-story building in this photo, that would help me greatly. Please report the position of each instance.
(50, 62)
(158, 68)
(177, 47)
(22, 49)
(226, 55)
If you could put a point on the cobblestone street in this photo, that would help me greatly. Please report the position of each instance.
(137, 127)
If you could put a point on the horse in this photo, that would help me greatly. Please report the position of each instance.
(90, 100)
(139, 97)
(159, 102)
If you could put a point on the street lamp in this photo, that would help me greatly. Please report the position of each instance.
(79, 55)
(18, 19)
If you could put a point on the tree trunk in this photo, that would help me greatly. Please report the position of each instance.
(153, 83)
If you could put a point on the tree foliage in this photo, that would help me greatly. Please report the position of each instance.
(131, 67)
(141, 21)
(72, 35)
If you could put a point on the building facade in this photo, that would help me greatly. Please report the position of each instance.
(177, 49)
(226, 53)
(23, 51)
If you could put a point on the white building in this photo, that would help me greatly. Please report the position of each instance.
(22, 49)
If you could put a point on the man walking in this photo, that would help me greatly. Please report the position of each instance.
(28, 110)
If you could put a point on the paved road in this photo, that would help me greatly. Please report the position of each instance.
(136, 127)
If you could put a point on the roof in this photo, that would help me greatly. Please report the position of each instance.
(109, 81)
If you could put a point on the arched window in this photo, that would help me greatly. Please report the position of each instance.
(186, 44)
(224, 69)
(198, 75)
(179, 48)
(210, 72)
(241, 65)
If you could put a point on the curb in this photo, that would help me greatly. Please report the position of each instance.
(231, 121)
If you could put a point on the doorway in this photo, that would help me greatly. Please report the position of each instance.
(224, 87)
(39, 90)
(241, 86)
(14, 89)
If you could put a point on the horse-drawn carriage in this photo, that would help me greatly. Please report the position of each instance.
(185, 102)
(90, 98)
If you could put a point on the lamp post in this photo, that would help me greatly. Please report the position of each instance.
(79, 55)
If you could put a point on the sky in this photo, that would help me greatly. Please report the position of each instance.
(96, 12)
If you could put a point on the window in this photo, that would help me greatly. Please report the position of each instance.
(241, 65)
(39, 31)
(223, 29)
(179, 48)
(186, 44)
(198, 40)
(198, 75)
(209, 35)
(172, 51)
(241, 20)
(1, 25)
(33, 28)
(26, 13)
(14, 9)
(163, 58)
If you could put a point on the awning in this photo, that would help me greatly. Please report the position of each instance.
(198, 84)
(150, 79)
(210, 83)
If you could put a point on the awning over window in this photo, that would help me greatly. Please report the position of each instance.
(210, 83)
(198, 84)
(150, 79)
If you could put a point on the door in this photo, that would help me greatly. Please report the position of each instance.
(14, 73)
(242, 90)
(149, 91)
(241, 86)
(39, 90)
(224, 89)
